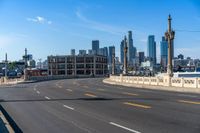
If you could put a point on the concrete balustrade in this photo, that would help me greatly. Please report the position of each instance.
(177, 82)
(190, 82)
(158, 81)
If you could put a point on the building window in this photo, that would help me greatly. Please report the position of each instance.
(80, 72)
(80, 59)
(61, 72)
(61, 66)
(80, 66)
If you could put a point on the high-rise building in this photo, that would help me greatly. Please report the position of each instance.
(73, 52)
(130, 47)
(151, 49)
(82, 52)
(105, 51)
(95, 46)
(141, 57)
(122, 51)
(163, 52)
(101, 51)
(111, 50)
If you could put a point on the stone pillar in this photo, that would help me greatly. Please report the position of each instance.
(169, 36)
(125, 56)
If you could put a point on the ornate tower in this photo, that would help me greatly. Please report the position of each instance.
(169, 36)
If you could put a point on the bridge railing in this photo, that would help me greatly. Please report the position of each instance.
(158, 81)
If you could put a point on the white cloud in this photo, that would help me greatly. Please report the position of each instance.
(40, 20)
(100, 26)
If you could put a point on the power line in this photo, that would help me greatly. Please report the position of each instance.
(187, 30)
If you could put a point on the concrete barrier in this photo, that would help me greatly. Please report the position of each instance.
(158, 81)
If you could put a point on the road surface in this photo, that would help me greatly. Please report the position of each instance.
(90, 106)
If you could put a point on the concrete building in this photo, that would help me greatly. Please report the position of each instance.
(151, 49)
(81, 65)
(141, 57)
(95, 46)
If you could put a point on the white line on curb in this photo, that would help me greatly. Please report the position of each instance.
(47, 98)
(117, 125)
(68, 107)
(38, 92)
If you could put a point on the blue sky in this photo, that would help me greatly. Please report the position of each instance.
(53, 27)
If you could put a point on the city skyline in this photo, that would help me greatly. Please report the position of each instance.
(57, 27)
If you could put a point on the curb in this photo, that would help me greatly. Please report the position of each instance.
(10, 124)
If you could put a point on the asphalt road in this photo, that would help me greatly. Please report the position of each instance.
(90, 106)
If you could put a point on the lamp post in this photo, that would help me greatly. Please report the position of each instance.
(169, 36)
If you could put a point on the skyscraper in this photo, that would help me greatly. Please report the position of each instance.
(151, 49)
(95, 46)
(122, 51)
(163, 52)
(111, 50)
(130, 53)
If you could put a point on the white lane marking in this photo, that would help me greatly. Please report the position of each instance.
(47, 98)
(123, 127)
(186, 95)
(68, 107)
(38, 92)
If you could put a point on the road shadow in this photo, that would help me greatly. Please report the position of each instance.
(80, 99)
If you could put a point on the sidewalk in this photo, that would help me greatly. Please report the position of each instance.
(164, 88)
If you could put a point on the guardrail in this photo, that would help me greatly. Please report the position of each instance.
(158, 81)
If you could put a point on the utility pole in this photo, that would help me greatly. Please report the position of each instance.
(125, 56)
(169, 36)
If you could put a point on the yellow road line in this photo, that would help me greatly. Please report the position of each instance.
(137, 105)
(130, 94)
(69, 90)
(190, 102)
(90, 95)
